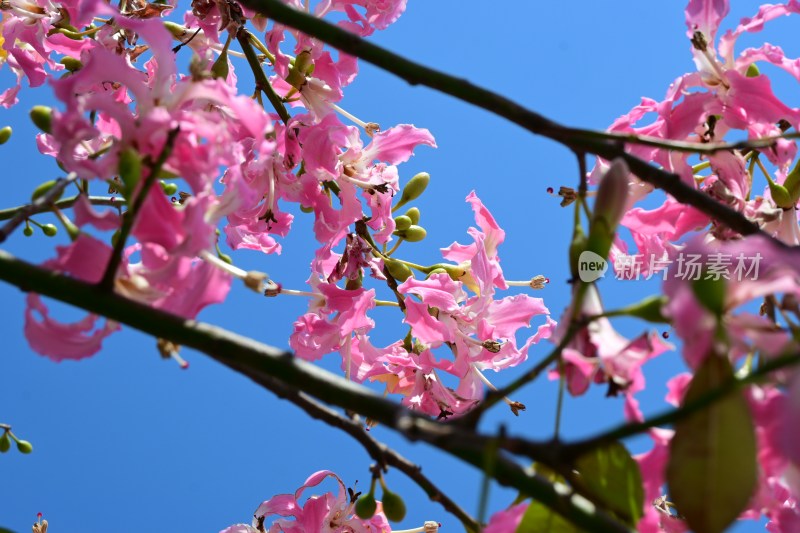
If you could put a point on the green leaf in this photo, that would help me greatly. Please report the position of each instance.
(712, 468)
(540, 519)
(611, 478)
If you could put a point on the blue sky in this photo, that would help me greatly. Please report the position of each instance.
(127, 442)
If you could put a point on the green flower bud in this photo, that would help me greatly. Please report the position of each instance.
(49, 229)
(303, 65)
(413, 214)
(130, 168)
(5, 443)
(399, 271)
(402, 223)
(27, 231)
(711, 294)
(437, 271)
(413, 233)
(42, 117)
(220, 67)
(752, 71)
(393, 506)
(366, 506)
(24, 446)
(413, 189)
(5, 134)
(576, 248)
(168, 188)
(780, 194)
(71, 64)
(792, 183)
(305, 209)
(42, 189)
(609, 206)
(649, 309)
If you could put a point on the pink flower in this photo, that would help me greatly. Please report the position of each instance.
(327, 513)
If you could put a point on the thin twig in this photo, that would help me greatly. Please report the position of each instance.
(606, 145)
(43, 203)
(64, 203)
(671, 416)
(129, 218)
(244, 37)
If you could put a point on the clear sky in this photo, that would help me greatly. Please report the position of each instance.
(126, 442)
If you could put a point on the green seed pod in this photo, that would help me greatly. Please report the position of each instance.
(402, 223)
(24, 446)
(413, 214)
(71, 64)
(437, 271)
(42, 189)
(414, 234)
(5, 134)
(168, 188)
(27, 231)
(414, 188)
(393, 506)
(576, 248)
(366, 506)
(130, 168)
(399, 271)
(5, 443)
(49, 229)
(42, 117)
(305, 209)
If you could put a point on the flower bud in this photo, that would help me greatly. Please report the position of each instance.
(5, 134)
(413, 214)
(752, 71)
(168, 188)
(42, 117)
(393, 506)
(399, 271)
(27, 231)
(649, 309)
(402, 223)
(220, 67)
(413, 233)
(366, 506)
(792, 185)
(24, 446)
(43, 188)
(5, 443)
(130, 168)
(71, 64)
(49, 229)
(303, 65)
(413, 189)
(609, 206)
(576, 248)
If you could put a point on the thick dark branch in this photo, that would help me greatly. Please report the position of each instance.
(261, 362)
(381, 453)
(605, 145)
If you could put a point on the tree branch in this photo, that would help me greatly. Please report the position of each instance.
(259, 362)
(381, 453)
(606, 145)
